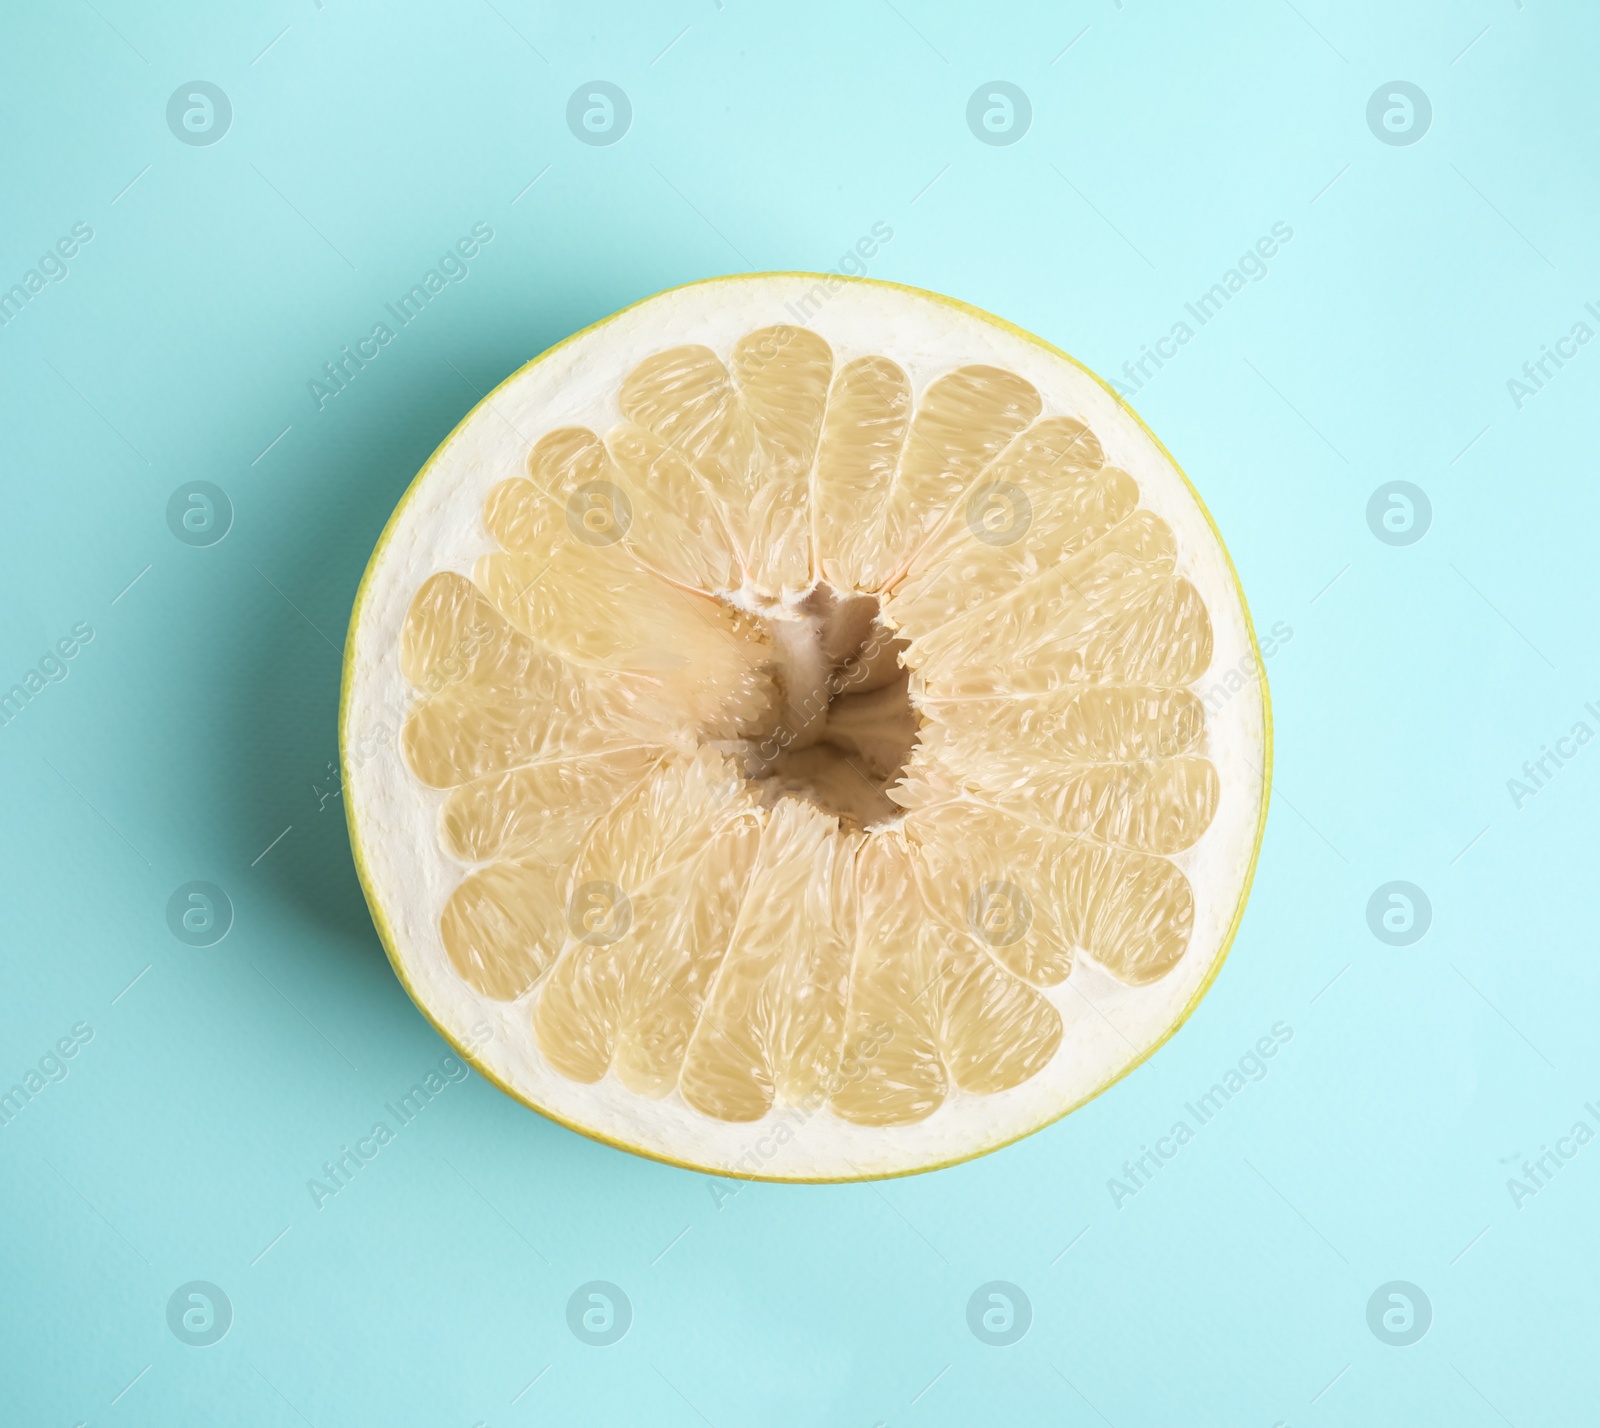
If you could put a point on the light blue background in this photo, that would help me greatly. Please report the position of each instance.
(199, 723)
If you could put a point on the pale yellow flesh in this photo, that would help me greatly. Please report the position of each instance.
(592, 695)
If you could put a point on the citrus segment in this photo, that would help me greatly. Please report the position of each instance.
(783, 375)
(869, 410)
(895, 1075)
(662, 1003)
(775, 1018)
(984, 875)
(541, 809)
(501, 928)
(675, 526)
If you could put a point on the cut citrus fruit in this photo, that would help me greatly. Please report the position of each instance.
(804, 729)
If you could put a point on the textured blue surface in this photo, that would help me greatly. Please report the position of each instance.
(189, 737)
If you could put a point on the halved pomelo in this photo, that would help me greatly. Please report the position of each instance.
(805, 729)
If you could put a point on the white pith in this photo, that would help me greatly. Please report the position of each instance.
(1106, 1026)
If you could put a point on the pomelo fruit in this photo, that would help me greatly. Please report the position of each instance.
(804, 728)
